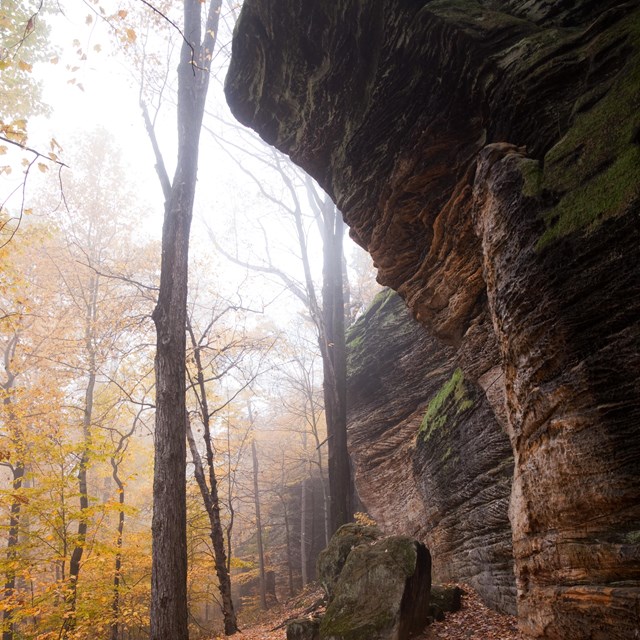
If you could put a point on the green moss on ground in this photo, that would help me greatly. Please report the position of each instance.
(595, 168)
(450, 401)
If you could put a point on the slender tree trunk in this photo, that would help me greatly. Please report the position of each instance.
(18, 476)
(12, 556)
(287, 533)
(303, 532)
(78, 550)
(115, 603)
(209, 493)
(232, 512)
(256, 494)
(335, 370)
(169, 615)
(325, 503)
(216, 533)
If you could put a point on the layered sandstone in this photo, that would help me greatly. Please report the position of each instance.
(430, 458)
(488, 156)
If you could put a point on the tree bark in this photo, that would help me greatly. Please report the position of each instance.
(115, 603)
(78, 550)
(263, 580)
(169, 615)
(18, 471)
(209, 492)
(12, 543)
(303, 532)
(334, 362)
(216, 533)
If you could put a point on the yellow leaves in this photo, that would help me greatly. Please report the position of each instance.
(43, 167)
(3, 149)
(15, 131)
(25, 66)
(122, 14)
(131, 35)
(54, 60)
(18, 497)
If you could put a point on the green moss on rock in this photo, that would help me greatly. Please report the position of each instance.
(386, 313)
(370, 590)
(332, 559)
(450, 401)
(531, 177)
(594, 169)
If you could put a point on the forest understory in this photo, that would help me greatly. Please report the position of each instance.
(473, 622)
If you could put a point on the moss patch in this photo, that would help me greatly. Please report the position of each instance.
(369, 591)
(633, 537)
(595, 169)
(387, 316)
(531, 176)
(449, 402)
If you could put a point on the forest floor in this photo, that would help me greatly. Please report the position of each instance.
(473, 622)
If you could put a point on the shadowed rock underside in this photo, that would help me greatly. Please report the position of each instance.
(487, 155)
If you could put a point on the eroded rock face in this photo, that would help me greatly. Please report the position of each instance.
(488, 156)
(431, 460)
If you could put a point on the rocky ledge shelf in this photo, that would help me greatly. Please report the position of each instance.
(487, 155)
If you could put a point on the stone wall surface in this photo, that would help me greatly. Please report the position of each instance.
(487, 155)
(431, 460)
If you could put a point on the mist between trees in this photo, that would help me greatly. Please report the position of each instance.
(233, 384)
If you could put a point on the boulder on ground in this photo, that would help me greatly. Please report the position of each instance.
(382, 592)
(304, 629)
(446, 598)
(332, 559)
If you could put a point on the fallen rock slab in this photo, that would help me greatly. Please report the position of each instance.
(332, 559)
(382, 592)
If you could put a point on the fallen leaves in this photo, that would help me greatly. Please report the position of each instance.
(474, 621)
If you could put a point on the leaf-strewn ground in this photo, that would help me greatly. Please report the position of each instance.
(473, 622)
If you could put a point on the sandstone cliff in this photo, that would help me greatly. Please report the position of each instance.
(488, 156)
(431, 461)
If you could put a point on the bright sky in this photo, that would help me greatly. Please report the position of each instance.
(101, 91)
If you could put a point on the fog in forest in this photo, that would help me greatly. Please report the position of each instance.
(90, 138)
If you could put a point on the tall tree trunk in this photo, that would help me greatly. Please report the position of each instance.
(216, 533)
(256, 494)
(115, 603)
(81, 536)
(17, 480)
(209, 492)
(334, 362)
(12, 556)
(330, 324)
(287, 533)
(169, 615)
(303, 532)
